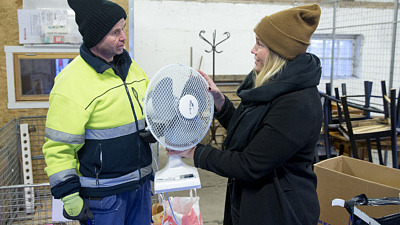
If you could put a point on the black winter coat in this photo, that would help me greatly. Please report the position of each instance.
(269, 149)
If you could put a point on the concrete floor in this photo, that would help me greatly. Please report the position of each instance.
(211, 193)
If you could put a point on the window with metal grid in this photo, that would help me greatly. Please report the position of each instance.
(346, 55)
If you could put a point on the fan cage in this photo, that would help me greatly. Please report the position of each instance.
(163, 116)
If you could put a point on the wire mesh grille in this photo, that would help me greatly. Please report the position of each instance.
(21, 203)
(178, 107)
(10, 170)
(17, 206)
(379, 49)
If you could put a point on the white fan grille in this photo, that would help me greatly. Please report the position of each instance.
(178, 107)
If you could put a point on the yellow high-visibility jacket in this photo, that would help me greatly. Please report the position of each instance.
(92, 127)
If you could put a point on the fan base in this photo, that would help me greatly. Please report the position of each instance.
(176, 176)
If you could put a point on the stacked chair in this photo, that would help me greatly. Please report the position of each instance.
(352, 125)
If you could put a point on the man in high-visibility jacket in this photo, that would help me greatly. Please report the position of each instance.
(96, 161)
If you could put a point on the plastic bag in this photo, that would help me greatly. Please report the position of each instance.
(185, 210)
(159, 216)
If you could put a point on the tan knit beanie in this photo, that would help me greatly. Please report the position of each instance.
(288, 32)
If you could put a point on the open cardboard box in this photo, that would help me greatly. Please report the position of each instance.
(344, 177)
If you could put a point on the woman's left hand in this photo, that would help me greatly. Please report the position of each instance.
(188, 153)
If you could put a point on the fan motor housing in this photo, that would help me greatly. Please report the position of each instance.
(188, 106)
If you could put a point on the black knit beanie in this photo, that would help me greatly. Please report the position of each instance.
(95, 18)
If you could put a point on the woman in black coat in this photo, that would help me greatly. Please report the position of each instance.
(269, 149)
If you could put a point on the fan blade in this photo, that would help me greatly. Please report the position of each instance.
(194, 87)
(163, 104)
(182, 133)
(162, 109)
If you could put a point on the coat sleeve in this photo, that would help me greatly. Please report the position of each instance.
(225, 114)
(64, 134)
(289, 127)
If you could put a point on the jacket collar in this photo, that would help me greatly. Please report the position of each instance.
(122, 61)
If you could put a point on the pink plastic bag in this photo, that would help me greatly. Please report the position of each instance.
(185, 210)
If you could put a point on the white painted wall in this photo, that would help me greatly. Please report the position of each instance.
(166, 30)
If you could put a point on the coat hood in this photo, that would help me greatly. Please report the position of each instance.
(303, 72)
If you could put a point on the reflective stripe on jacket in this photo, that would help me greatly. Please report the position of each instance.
(92, 127)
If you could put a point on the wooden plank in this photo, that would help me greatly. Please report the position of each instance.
(228, 85)
(229, 78)
(230, 88)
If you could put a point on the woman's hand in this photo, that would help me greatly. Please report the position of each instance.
(188, 153)
(219, 98)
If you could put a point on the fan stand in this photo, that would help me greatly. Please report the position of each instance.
(176, 176)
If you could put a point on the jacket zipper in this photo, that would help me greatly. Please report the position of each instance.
(136, 121)
(137, 99)
(101, 166)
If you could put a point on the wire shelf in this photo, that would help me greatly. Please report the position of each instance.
(20, 203)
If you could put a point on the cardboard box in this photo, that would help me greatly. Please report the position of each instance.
(344, 177)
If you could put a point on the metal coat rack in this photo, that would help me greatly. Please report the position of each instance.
(213, 46)
(213, 50)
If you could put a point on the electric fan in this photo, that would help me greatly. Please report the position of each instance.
(178, 110)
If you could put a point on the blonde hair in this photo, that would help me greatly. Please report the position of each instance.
(272, 65)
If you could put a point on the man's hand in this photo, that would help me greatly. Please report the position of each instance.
(76, 209)
(147, 136)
